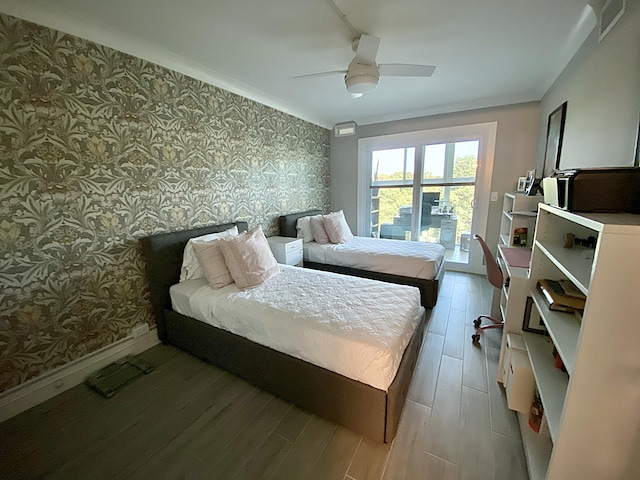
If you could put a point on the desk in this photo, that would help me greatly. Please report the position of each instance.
(400, 229)
(448, 228)
(515, 257)
(513, 295)
(436, 219)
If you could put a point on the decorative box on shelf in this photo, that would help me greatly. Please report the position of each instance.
(287, 250)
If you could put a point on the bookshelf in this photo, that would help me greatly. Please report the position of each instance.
(512, 296)
(518, 211)
(592, 409)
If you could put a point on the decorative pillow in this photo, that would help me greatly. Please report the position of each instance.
(190, 266)
(249, 258)
(212, 263)
(317, 228)
(337, 227)
(303, 226)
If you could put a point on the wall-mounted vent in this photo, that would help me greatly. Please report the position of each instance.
(344, 129)
(609, 15)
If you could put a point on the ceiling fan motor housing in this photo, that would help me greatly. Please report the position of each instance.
(361, 78)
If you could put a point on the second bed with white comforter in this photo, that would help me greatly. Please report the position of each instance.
(396, 257)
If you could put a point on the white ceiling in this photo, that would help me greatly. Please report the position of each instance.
(487, 53)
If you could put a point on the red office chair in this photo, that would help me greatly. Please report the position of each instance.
(495, 277)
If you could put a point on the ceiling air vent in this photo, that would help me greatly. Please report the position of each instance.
(344, 129)
(609, 15)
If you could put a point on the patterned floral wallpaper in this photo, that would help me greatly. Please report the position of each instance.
(98, 149)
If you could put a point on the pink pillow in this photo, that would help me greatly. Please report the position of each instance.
(337, 228)
(190, 265)
(249, 258)
(317, 228)
(303, 227)
(212, 263)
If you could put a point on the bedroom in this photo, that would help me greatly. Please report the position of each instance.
(97, 257)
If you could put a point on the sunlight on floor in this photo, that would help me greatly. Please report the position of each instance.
(456, 255)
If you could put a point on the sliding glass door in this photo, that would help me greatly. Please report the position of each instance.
(421, 189)
(391, 192)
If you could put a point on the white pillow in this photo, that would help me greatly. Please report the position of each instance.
(317, 228)
(249, 258)
(190, 266)
(337, 227)
(303, 226)
(212, 263)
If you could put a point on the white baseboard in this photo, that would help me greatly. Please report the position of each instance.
(18, 399)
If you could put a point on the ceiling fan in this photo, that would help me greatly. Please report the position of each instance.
(363, 73)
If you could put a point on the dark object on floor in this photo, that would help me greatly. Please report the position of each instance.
(109, 379)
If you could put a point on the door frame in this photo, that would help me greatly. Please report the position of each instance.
(485, 133)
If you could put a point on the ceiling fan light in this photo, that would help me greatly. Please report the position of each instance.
(361, 83)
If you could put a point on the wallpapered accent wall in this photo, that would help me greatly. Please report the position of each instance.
(98, 149)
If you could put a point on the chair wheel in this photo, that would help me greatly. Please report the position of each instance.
(477, 322)
(475, 338)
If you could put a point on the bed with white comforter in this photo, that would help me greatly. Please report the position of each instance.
(356, 327)
(418, 264)
(325, 342)
(397, 257)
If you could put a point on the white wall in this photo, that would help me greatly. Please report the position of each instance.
(514, 155)
(602, 87)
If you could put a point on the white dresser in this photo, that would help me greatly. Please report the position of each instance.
(287, 250)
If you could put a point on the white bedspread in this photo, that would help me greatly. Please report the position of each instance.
(396, 257)
(356, 327)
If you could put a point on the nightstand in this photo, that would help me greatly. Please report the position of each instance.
(287, 250)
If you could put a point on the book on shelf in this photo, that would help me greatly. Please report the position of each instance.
(561, 295)
(520, 236)
(570, 289)
(536, 413)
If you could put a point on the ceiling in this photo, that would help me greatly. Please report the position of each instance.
(486, 53)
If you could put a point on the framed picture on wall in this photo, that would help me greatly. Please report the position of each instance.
(532, 322)
(531, 176)
(555, 132)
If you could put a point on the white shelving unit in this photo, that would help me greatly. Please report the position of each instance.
(593, 409)
(537, 449)
(518, 210)
(512, 301)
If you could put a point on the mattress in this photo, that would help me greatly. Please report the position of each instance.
(395, 257)
(356, 327)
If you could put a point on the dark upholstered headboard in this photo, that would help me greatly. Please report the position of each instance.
(288, 222)
(163, 253)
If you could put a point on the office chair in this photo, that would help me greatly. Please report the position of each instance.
(429, 200)
(495, 277)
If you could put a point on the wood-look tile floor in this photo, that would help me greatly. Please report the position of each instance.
(190, 420)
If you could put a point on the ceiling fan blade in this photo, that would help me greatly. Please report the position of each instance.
(367, 49)
(321, 74)
(405, 70)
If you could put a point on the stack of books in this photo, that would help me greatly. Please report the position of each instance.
(561, 295)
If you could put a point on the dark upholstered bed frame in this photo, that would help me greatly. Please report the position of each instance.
(428, 288)
(360, 407)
